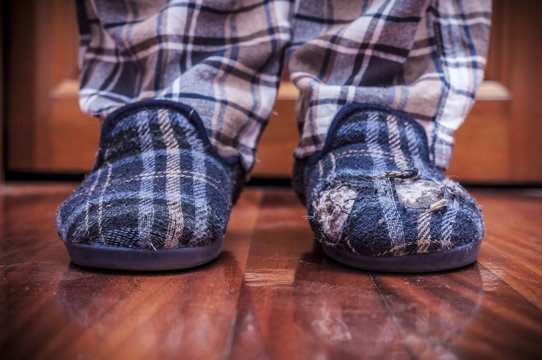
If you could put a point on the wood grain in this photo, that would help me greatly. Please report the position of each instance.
(51, 309)
(272, 294)
(295, 303)
(523, 79)
(513, 243)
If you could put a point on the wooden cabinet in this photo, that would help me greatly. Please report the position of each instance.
(47, 133)
(500, 141)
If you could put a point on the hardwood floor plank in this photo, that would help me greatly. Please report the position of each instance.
(51, 309)
(272, 294)
(512, 247)
(297, 303)
(460, 314)
(507, 327)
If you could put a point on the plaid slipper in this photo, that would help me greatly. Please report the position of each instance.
(159, 196)
(375, 201)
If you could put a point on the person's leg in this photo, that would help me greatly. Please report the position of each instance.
(384, 85)
(183, 90)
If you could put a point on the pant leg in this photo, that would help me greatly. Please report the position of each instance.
(425, 58)
(222, 58)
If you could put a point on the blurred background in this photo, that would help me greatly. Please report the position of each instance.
(45, 136)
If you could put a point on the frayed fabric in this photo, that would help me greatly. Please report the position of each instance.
(157, 187)
(372, 194)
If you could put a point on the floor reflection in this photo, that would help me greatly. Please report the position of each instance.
(155, 313)
(339, 312)
(271, 294)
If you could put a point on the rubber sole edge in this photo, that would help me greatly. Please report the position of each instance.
(142, 259)
(415, 263)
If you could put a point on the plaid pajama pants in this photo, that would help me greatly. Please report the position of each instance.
(225, 58)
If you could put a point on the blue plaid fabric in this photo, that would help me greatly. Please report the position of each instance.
(424, 58)
(157, 184)
(372, 190)
(224, 59)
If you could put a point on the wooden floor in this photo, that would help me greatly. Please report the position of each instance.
(272, 294)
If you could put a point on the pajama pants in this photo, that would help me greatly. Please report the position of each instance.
(224, 58)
